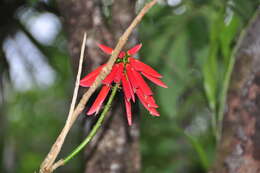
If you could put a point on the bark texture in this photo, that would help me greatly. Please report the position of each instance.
(115, 149)
(239, 150)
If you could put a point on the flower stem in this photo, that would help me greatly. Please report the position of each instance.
(95, 128)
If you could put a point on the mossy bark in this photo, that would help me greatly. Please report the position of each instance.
(239, 148)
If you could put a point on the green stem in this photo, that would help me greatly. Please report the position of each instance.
(95, 128)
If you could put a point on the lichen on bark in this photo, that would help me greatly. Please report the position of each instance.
(239, 148)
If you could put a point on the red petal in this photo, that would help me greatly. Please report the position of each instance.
(131, 88)
(148, 100)
(131, 77)
(119, 73)
(111, 76)
(142, 84)
(154, 112)
(121, 54)
(155, 80)
(128, 111)
(89, 82)
(134, 50)
(126, 88)
(109, 50)
(90, 78)
(99, 100)
(140, 66)
(143, 100)
(105, 49)
(151, 102)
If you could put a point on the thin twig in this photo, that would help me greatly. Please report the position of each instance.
(75, 93)
(60, 140)
(49, 160)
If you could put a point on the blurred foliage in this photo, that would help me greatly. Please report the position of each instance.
(191, 43)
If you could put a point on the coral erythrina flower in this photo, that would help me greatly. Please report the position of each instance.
(127, 72)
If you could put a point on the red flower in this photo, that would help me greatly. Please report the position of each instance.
(127, 72)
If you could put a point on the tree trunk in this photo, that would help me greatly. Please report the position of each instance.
(115, 148)
(239, 149)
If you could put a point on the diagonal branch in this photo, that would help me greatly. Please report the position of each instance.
(52, 155)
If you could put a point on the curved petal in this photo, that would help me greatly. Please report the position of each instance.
(90, 78)
(134, 50)
(152, 110)
(109, 50)
(126, 88)
(99, 100)
(131, 88)
(105, 49)
(142, 84)
(89, 82)
(111, 76)
(140, 66)
(119, 73)
(121, 54)
(131, 77)
(151, 102)
(155, 80)
(128, 111)
(141, 98)
(148, 100)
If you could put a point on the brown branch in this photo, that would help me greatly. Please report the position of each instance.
(47, 164)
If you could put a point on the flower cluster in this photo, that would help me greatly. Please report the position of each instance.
(127, 72)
